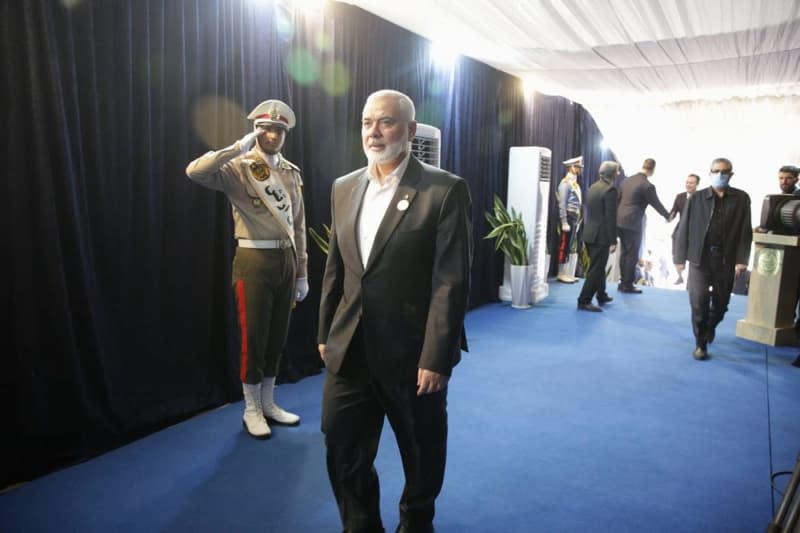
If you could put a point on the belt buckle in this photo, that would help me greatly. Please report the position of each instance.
(283, 244)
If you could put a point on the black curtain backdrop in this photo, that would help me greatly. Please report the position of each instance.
(120, 313)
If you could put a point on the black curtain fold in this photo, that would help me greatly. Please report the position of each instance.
(121, 317)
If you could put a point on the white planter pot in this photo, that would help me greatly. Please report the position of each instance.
(520, 287)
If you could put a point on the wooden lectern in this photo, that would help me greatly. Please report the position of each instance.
(772, 295)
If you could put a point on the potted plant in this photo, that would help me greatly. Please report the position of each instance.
(508, 232)
(322, 242)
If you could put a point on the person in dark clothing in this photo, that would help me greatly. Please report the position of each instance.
(714, 235)
(599, 235)
(692, 181)
(635, 194)
(787, 180)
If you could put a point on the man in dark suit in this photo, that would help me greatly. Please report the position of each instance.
(635, 194)
(394, 296)
(714, 235)
(692, 180)
(599, 235)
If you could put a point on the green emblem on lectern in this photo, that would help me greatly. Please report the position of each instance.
(769, 261)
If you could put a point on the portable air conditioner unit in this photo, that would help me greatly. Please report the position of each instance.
(528, 194)
(427, 144)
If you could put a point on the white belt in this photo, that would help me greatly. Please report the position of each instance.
(268, 245)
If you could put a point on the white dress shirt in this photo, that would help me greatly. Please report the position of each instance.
(376, 201)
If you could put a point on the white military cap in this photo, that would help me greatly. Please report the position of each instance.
(273, 112)
(575, 161)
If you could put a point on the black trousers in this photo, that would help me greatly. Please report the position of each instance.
(630, 241)
(710, 285)
(353, 409)
(595, 283)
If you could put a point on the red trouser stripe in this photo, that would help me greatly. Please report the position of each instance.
(562, 248)
(241, 308)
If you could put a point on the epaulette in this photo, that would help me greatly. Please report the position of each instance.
(288, 165)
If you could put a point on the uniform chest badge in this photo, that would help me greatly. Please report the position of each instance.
(259, 170)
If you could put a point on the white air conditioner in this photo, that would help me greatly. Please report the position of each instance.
(528, 193)
(427, 144)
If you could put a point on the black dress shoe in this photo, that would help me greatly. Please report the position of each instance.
(602, 300)
(629, 290)
(589, 307)
(700, 353)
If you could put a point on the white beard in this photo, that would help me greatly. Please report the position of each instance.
(390, 152)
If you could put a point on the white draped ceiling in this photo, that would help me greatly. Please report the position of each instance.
(681, 81)
(666, 49)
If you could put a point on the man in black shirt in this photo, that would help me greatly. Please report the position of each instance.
(714, 235)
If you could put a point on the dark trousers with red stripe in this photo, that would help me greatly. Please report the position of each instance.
(263, 285)
(565, 244)
(354, 405)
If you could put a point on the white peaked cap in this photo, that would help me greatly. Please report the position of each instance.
(577, 161)
(273, 112)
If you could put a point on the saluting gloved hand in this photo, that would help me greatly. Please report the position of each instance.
(246, 143)
(300, 289)
(564, 226)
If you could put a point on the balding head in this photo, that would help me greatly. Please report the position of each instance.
(608, 170)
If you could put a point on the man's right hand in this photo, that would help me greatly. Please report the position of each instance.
(321, 350)
(246, 143)
(565, 226)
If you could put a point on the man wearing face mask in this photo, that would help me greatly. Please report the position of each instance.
(714, 235)
(269, 268)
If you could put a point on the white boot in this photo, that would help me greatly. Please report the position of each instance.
(573, 262)
(562, 274)
(271, 410)
(253, 419)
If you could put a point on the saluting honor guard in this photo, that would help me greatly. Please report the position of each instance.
(570, 218)
(269, 267)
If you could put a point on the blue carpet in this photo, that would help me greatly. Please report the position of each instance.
(559, 421)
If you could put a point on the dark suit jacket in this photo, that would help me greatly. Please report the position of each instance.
(677, 205)
(600, 226)
(691, 233)
(635, 194)
(412, 296)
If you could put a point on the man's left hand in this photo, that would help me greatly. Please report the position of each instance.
(429, 381)
(740, 268)
(300, 289)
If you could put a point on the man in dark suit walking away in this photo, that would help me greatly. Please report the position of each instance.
(599, 235)
(394, 296)
(635, 194)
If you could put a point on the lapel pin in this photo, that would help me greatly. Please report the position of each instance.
(402, 205)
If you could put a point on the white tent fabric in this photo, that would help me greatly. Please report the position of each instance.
(665, 49)
(681, 81)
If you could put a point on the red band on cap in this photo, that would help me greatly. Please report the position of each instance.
(273, 117)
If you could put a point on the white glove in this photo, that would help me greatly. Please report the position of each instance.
(246, 143)
(564, 226)
(300, 289)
